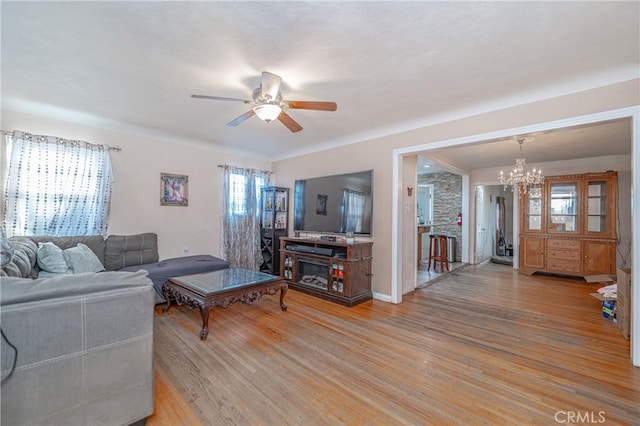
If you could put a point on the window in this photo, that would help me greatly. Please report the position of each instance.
(238, 192)
(56, 187)
(240, 244)
(237, 189)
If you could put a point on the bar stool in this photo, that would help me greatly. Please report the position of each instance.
(438, 252)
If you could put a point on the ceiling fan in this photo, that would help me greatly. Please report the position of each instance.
(268, 104)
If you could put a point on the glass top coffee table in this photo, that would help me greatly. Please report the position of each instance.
(221, 289)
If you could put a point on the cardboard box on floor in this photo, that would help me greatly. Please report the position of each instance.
(603, 298)
(603, 279)
(623, 309)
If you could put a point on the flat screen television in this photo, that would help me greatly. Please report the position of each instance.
(334, 204)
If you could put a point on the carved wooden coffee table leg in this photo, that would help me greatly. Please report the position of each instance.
(204, 312)
(165, 291)
(283, 291)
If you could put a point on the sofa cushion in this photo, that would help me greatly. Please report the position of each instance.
(20, 290)
(24, 259)
(46, 274)
(95, 242)
(82, 259)
(51, 258)
(127, 250)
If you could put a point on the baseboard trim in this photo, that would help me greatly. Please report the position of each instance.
(383, 297)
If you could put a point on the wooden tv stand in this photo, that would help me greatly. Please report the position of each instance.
(335, 271)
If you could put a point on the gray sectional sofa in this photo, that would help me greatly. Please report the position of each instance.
(79, 346)
(82, 348)
(116, 253)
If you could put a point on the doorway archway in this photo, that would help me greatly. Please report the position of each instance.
(398, 239)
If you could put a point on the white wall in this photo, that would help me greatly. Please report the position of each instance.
(135, 202)
(409, 221)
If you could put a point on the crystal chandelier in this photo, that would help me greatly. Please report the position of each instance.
(519, 180)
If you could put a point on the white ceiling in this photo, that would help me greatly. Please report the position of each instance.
(390, 66)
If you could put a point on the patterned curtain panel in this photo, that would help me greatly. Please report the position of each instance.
(56, 186)
(240, 243)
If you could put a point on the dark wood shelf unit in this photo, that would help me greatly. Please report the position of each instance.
(335, 271)
(274, 223)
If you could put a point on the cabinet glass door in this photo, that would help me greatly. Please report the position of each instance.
(267, 199)
(281, 206)
(563, 207)
(534, 211)
(281, 201)
(597, 206)
(267, 208)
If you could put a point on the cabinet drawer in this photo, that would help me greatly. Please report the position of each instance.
(563, 244)
(562, 265)
(563, 254)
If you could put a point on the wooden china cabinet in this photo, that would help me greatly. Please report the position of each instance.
(568, 225)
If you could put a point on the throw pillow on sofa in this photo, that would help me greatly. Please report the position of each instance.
(53, 261)
(6, 249)
(23, 262)
(51, 258)
(82, 259)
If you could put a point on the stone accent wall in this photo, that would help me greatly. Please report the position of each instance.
(447, 203)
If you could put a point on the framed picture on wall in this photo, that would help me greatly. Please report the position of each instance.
(174, 190)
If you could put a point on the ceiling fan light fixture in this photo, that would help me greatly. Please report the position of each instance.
(267, 112)
(268, 105)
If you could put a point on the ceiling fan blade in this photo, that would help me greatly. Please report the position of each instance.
(247, 115)
(220, 98)
(270, 85)
(318, 106)
(289, 122)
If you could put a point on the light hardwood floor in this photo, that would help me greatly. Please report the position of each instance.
(482, 345)
(425, 277)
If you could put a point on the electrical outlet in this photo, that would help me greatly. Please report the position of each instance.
(185, 250)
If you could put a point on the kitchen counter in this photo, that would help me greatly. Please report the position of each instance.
(422, 229)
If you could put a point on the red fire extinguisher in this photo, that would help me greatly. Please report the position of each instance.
(459, 219)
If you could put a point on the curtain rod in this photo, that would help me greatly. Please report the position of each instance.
(257, 170)
(111, 148)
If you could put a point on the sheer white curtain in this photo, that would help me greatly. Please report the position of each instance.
(352, 210)
(240, 242)
(55, 186)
